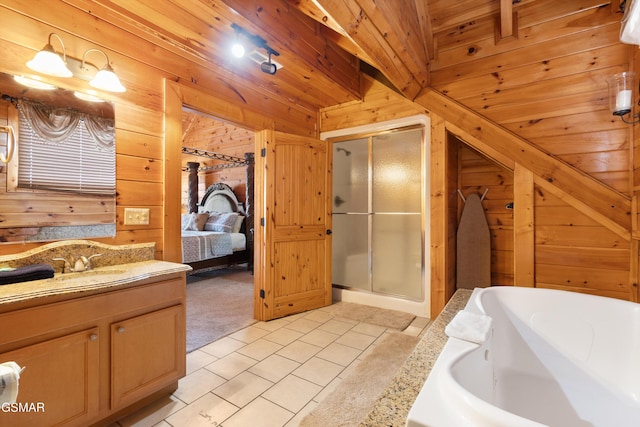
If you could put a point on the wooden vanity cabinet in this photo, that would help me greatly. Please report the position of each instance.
(60, 383)
(90, 360)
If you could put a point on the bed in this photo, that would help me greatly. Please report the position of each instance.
(219, 234)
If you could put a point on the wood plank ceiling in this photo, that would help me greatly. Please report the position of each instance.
(321, 42)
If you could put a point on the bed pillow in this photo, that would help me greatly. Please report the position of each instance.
(221, 221)
(238, 225)
(194, 221)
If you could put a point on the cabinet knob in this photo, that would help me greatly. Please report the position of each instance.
(93, 337)
(120, 329)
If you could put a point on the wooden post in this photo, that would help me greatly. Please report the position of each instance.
(193, 186)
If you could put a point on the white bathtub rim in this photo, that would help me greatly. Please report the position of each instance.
(431, 409)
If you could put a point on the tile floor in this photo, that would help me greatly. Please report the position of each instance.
(269, 374)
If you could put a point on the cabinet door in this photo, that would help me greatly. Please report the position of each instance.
(148, 352)
(59, 384)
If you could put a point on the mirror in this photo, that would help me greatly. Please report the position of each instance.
(49, 207)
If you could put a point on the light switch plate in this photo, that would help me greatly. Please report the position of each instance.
(136, 216)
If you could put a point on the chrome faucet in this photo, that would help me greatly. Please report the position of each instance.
(82, 263)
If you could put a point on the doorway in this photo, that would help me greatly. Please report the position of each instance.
(219, 290)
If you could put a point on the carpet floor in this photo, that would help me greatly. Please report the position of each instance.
(219, 303)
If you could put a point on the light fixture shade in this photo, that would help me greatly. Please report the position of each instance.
(106, 79)
(47, 61)
(622, 87)
(34, 83)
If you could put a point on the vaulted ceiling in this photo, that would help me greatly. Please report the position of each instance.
(323, 44)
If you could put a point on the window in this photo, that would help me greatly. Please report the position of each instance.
(63, 150)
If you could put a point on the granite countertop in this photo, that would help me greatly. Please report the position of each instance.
(393, 405)
(91, 280)
(111, 266)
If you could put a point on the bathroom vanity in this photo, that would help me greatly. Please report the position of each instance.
(95, 344)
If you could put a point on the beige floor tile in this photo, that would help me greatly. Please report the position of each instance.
(369, 329)
(153, 413)
(222, 347)
(231, 365)
(356, 340)
(338, 353)
(319, 316)
(273, 325)
(260, 349)
(197, 384)
(198, 359)
(274, 368)
(299, 351)
(249, 334)
(209, 410)
(283, 336)
(414, 331)
(243, 388)
(336, 326)
(318, 371)
(292, 393)
(327, 389)
(319, 338)
(421, 322)
(260, 413)
(295, 421)
(303, 325)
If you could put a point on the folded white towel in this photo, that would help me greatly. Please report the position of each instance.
(469, 326)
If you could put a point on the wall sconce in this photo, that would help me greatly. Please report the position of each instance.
(622, 87)
(11, 144)
(48, 61)
(267, 65)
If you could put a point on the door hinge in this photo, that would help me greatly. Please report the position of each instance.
(262, 293)
(262, 221)
(263, 152)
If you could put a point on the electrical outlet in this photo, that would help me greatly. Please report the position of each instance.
(136, 216)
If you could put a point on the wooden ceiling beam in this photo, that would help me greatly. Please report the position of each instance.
(506, 18)
(389, 32)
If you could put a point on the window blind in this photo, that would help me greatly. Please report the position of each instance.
(76, 164)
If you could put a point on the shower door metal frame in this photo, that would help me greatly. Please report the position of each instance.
(370, 214)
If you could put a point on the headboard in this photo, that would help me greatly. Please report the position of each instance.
(219, 197)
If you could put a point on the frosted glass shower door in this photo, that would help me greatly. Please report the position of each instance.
(396, 230)
(350, 219)
(377, 213)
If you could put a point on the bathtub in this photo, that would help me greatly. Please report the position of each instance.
(553, 358)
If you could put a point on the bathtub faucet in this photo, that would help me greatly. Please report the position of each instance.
(82, 263)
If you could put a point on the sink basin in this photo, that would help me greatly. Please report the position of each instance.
(89, 273)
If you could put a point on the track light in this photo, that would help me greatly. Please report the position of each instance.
(268, 66)
(238, 49)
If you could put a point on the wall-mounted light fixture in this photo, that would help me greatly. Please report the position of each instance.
(622, 88)
(48, 61)
(267, 65)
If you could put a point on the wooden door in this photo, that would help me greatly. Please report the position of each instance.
(293, 223)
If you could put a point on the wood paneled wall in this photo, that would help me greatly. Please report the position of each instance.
(206, 133)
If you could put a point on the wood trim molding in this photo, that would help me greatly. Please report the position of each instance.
(609, 207)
